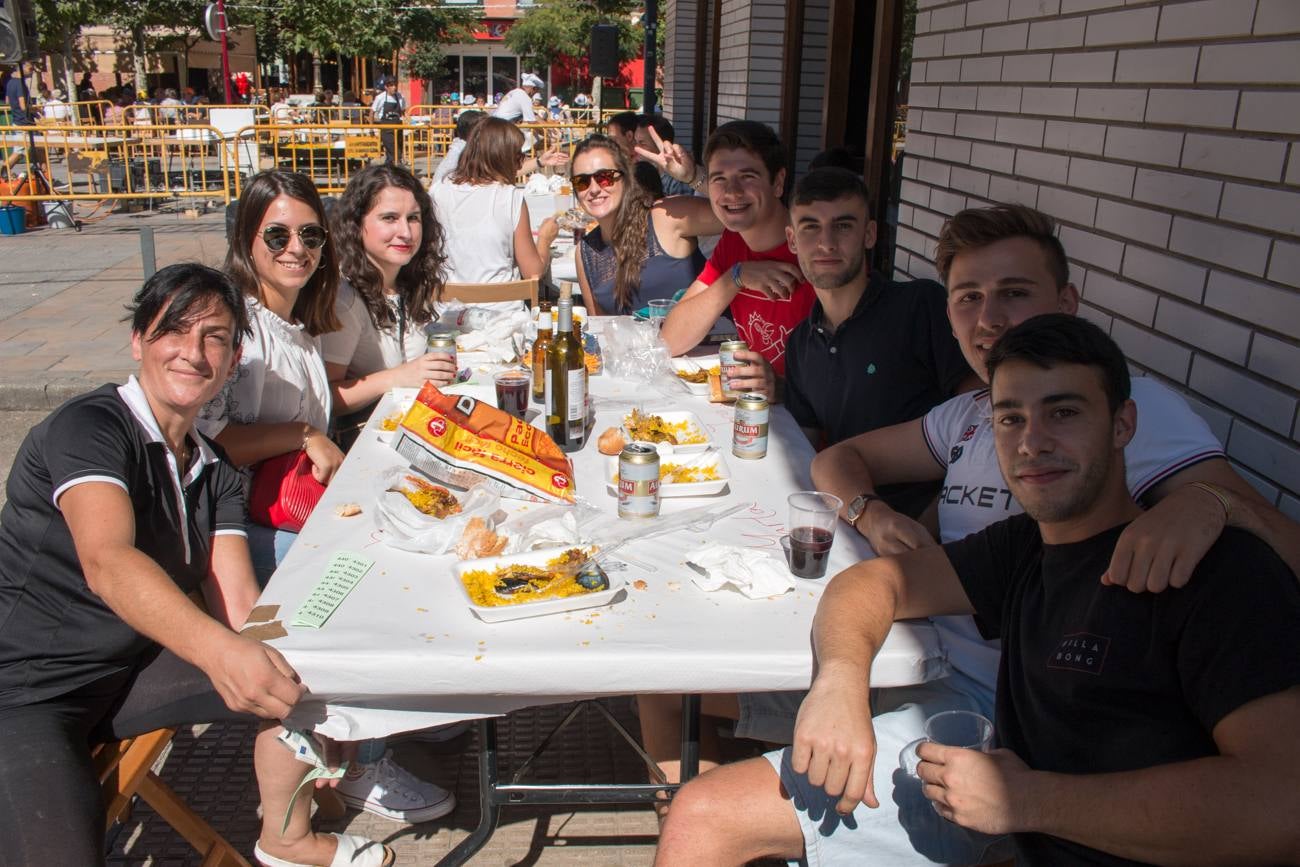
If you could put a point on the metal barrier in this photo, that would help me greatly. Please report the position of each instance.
(328, 153)
(90, 111)
(113, 163)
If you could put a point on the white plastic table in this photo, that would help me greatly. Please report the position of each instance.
(403, 651)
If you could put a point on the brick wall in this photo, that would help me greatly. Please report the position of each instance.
(816, 38)
(679, 67)
(1165, 137)
(749, 61)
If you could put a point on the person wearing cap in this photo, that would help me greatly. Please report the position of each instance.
(558, 110)
(388, 108)
(517, 105)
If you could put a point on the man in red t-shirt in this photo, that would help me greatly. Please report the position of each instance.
(752, 271)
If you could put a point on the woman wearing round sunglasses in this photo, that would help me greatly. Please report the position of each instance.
(489, 235)
(641, 249)
(391, 257)
(278, 399)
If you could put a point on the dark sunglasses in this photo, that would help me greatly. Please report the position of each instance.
(604, 178)
(276, 238)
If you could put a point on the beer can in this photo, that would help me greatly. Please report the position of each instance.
(749, 432)
(638, 481)
(727, 362)
(443, 343)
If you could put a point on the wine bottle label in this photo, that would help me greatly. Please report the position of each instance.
(577, 408)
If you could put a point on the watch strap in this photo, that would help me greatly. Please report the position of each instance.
(866, 499)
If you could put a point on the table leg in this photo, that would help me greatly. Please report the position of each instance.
(690, 767)
(489, 808)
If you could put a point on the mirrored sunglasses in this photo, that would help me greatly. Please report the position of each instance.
(276, 238)
(604, 178)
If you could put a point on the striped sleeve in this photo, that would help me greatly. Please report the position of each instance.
(943, 425)
(1170, 437)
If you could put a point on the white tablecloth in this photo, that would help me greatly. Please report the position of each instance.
(403, 650)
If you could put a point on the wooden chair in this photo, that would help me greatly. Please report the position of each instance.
(471, 293)
(124, 769)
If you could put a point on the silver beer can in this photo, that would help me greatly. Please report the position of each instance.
(749, 431)
(727, 362)
(443, 343)
(638, 481)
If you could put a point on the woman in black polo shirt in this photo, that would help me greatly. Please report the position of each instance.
(117, 510)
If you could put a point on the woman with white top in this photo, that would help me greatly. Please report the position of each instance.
(391, 256)
(489, 235)
(278, 398)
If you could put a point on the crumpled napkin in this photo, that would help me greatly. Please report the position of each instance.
(757, 574)
(495, 337)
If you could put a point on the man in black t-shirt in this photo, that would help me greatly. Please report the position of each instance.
(1132, 727)
(873, 352)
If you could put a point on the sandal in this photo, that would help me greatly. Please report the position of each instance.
(352, 851)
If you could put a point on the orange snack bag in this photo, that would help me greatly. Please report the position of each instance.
(463, 441)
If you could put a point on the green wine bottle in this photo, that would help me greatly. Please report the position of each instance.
(566, 382)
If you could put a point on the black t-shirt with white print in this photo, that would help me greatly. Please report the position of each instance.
(56, 634)
(1096, 679)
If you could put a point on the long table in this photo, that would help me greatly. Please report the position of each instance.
(403, 651)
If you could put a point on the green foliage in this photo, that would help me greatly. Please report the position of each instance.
(906, 39)
(562, 28)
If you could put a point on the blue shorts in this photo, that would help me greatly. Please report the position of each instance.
(905, 829)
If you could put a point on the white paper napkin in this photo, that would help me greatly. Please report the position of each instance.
(757, 574)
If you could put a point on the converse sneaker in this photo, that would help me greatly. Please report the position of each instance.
(389, 790)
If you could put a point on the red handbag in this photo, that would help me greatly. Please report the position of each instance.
(284, 491)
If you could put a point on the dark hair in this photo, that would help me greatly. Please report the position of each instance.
(181, 294)
(748, 135)
(1059, 338)
(829, 185)
(315, 305)
(976, 228)
(419, 282)
(660, 124)
(466, 121)
(492, 154)
(837, 157)
(624, 120)
(630, 223)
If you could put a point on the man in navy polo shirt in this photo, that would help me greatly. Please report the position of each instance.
(874, 352)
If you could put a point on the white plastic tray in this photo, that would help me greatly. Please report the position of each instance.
(690, 365)
(701, 433)
(690, 489)
(521, 610)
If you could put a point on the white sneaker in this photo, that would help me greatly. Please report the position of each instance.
(389, 790)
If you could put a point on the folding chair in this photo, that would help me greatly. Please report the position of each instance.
(123, 769)
(473, 293)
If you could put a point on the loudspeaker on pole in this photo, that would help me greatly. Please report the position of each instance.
(603, 57)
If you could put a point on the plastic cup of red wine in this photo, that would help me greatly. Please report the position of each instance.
(514, 387)
(813, 516)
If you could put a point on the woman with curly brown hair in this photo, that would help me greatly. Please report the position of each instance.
(641, 249)
(391, 255)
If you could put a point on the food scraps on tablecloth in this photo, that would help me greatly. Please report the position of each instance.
(644, 427)
(347, 510)
(392, 420)
(430, 499)
(569, 574)
(611, 442)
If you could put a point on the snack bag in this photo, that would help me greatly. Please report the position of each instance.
(464, 442)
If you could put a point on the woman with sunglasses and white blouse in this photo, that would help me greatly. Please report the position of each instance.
(641, 249)
(391, 257)
(278, 398)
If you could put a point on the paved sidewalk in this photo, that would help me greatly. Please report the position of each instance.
(63, 294)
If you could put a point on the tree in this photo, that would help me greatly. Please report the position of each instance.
(562, 28)
(59, 24)
(136, 21)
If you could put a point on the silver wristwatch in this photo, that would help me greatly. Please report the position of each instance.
(858, 506)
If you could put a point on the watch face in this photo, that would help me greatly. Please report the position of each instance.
(856, 506)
